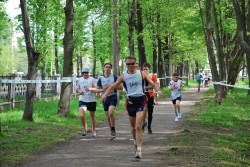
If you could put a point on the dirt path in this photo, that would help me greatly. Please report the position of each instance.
(101, 152)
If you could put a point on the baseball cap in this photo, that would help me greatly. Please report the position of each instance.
(85, 69)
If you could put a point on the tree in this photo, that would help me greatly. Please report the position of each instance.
(141, 47)
(131, 25)
(32, 63)
(115, 44)
(64, 103)
(243, 30)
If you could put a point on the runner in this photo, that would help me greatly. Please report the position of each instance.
(104, 82)
(133, 81)
(87, 100)
(149, 92)
(175, 85)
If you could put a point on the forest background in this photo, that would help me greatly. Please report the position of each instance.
(60, 37)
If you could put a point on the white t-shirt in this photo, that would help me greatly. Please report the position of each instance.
(87, 96)
(175, 92)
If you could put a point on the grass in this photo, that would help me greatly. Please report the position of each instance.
(19, 139)
(214, 135)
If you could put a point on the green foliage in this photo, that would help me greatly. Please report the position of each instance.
(6, 50)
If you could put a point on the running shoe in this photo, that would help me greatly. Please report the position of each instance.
(113, 135)
(138, 154)
(150, 131)
(179, 115)
(176, 119)
(94, 134)
(84, 133)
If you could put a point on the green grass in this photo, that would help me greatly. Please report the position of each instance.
(19, 139)
(218, 134)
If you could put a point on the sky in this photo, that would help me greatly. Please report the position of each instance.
(12, 8)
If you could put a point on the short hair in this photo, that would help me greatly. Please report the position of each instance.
(146, 65)
(175, 74)
(108, 64)
(130, 57)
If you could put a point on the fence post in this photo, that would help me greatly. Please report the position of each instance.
(12, 93)
(58, 85)
(74, 84)
(38, 87)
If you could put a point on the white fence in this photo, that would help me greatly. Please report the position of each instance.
(10, 89)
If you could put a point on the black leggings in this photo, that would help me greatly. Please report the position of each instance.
(150, 105)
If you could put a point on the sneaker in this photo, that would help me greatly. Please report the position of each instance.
(176, 119)
(113, 135)
(84, 133)
(94, 134)
(179, 115)
(149, 131)
(138, 154)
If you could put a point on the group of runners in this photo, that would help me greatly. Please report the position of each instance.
(140, 87)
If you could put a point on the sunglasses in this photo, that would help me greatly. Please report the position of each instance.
(130, 64)
(84, 72)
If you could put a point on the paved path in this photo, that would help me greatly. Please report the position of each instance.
(101, 152)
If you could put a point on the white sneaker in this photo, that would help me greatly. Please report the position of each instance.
(176, 119)
(94, 134)
(179, 115)
(138, 154)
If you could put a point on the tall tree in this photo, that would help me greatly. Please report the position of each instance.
(115, 44)
(64, 103)
(243, 30)
(131, 25)
(141, 47)
(32, 63)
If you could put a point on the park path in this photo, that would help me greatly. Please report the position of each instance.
(101, 152)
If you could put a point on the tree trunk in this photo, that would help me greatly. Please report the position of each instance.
(56, 51)
(94, 47)
(210, 50)
(131, 25)
(32, 64)
(141, 48)
(161, 71)
(64, 103)
(115, 44)
(243, 28)
(218, 45)
(170, 55)
(155, 69)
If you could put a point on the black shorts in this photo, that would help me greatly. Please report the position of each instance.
(110, 101)
(178, 98)
(91, 106)
(135, 104)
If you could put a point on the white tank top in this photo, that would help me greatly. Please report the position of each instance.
(134, 84)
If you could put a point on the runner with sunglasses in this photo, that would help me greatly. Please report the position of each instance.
(87, 100)
(133, 80)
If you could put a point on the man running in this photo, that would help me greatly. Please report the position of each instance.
(149, 92)
(104, 82)
(133, 82)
